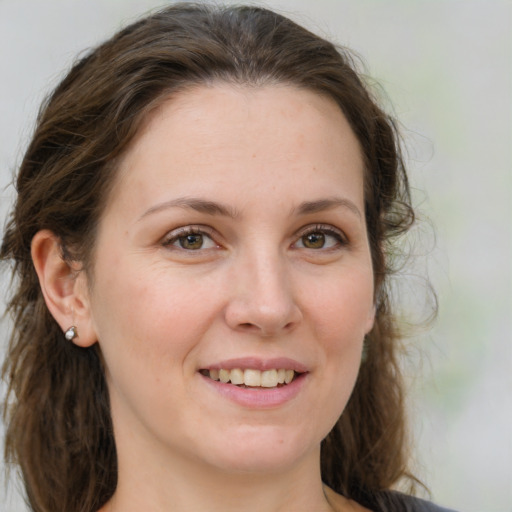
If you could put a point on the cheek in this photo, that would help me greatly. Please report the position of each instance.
(341, 311)
(343, 308)
(149, 312)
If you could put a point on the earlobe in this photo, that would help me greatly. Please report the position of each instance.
(64, 288)
(371, 319)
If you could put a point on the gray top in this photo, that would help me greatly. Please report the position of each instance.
(398, 502)
(418, 505)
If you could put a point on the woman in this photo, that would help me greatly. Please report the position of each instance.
(202, 242)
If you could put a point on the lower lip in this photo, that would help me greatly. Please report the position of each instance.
(258, 398)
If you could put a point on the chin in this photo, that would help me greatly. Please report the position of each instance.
(263, 450)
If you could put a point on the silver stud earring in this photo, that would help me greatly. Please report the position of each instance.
(71, 333)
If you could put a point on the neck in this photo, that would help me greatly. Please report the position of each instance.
(196, 487)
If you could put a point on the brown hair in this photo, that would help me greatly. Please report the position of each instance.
(59, 429)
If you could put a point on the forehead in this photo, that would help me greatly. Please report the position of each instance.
(241, 134)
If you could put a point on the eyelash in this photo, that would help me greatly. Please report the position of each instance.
(174, 236)
(328, 231)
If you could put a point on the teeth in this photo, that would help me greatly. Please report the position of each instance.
(236, 376)
(269, 379)
(253, 378)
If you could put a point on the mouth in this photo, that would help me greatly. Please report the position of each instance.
(252, 378)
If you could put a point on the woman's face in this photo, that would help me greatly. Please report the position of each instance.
(234, 246)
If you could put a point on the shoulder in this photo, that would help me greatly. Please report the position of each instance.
(413, 504)
(398, 502)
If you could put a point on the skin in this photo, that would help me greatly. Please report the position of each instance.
(281, 269)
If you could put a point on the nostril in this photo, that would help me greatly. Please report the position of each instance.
(265, 317)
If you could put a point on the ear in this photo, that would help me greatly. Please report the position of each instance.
(64, 287)
(370, 321)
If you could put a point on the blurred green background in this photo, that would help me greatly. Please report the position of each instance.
(446, 69)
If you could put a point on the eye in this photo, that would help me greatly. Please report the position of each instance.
(190, 239)
(313, 240)
(320, 237)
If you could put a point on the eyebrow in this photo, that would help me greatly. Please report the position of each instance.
(214, 208)
(193, 203)
(321, 205)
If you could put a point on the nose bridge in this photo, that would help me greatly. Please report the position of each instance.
(263, 297)
(267, 278)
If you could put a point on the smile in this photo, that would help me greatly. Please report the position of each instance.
(252, 378)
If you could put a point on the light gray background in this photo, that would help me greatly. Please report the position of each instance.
(446, 67)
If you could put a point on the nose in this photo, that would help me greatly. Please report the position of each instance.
(262, 298)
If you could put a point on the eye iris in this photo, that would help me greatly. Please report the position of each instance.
(314, 240)
(191, 241)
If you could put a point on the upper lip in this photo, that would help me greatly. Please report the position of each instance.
(256, 363)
